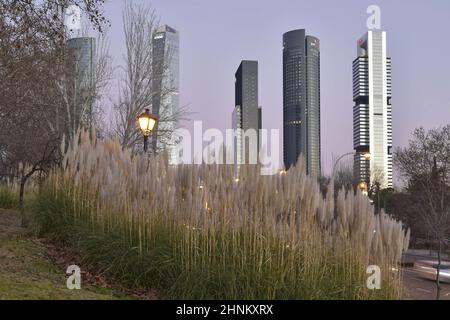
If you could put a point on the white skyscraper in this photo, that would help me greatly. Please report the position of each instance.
(165, 88)
(372, 113)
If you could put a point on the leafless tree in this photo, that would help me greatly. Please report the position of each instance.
(137, 89)
(33, 57)
(49, 14)
(425, 164)
(30, 128)
(376, 187)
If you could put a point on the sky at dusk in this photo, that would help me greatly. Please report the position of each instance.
(215, 35)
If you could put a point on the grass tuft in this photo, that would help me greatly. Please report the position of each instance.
(9, 198)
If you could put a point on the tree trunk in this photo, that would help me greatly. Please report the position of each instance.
(21, 202)
(429, 244)
(438, 285)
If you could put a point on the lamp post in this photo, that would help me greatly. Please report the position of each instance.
(361, 185)
(147, 123)
(366, 156)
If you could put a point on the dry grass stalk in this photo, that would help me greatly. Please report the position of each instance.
(272, 229)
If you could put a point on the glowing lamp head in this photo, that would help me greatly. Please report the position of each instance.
(366, 156)
(147, 122)
(362, 186)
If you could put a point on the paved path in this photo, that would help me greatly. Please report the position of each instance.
(417, 287)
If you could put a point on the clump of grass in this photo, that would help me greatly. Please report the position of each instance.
(9, 197)
(193, 232)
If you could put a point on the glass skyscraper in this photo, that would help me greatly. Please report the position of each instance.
(165, 84)
(83, 51)
(301, 100)
(372, 112)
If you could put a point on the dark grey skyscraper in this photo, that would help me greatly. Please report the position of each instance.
(247, 114)
(301, 100)
(246, 93)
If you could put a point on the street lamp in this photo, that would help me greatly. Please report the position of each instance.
(363, 187)
(147, 122)
(365, 154)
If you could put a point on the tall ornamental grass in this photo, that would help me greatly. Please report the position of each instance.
(9, 196)
(195, 232)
